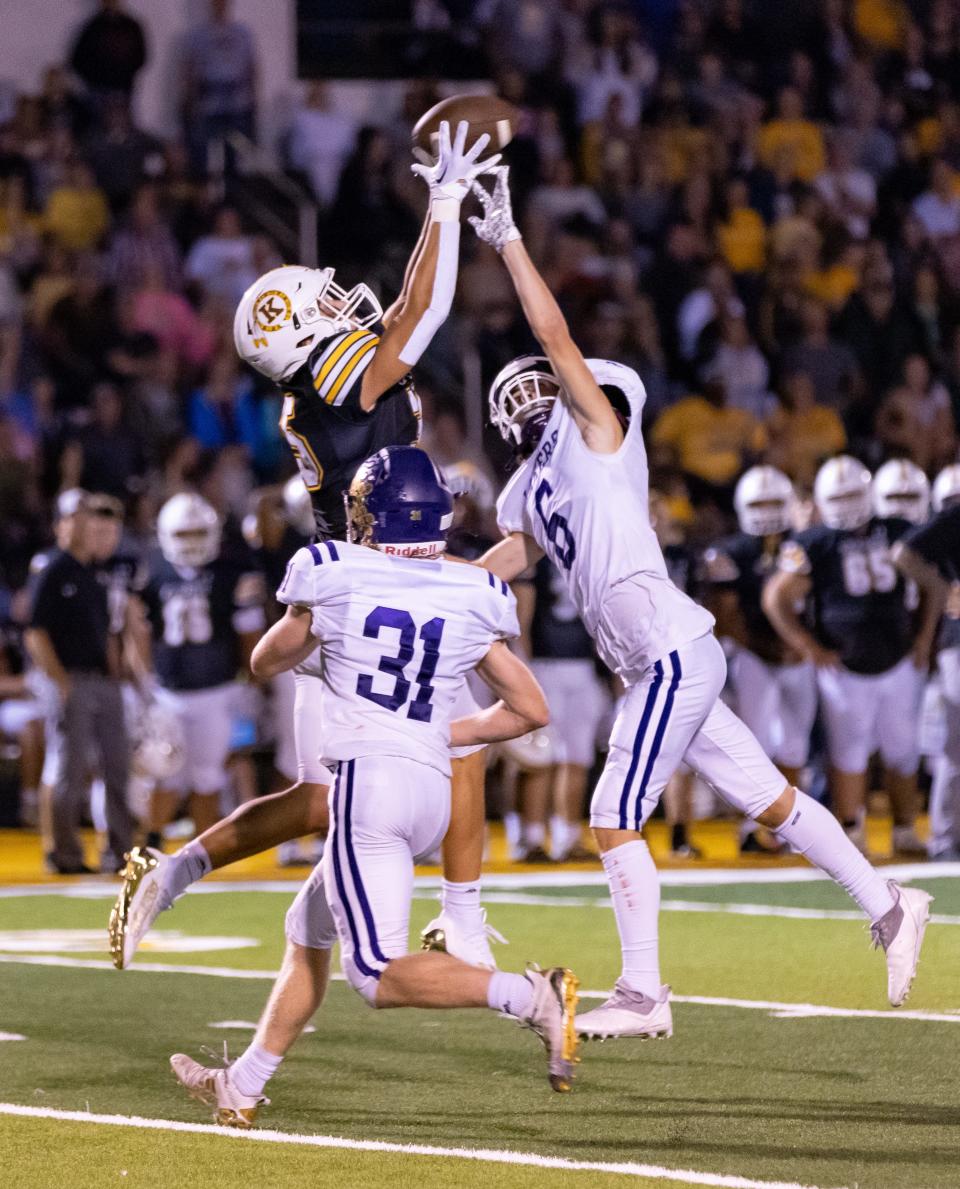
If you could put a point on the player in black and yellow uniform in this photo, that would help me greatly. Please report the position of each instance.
(869, 642)
(774, 686)
(342, 364)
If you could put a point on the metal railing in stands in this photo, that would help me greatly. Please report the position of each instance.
(297, 243)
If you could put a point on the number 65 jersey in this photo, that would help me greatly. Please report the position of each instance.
(398, 636)
(590, 514)
(859, 605)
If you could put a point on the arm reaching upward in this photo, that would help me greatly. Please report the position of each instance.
(581, 393)
(431, 276)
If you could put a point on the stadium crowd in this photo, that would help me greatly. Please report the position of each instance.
(757, 209)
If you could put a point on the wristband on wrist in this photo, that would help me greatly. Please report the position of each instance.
(444, 209)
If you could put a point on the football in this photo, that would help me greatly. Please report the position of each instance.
(484, 113)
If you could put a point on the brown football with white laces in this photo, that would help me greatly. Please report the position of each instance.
(484, 113)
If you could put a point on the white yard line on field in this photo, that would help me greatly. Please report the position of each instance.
(485, 1155)
(776, 1009)
(97, 889)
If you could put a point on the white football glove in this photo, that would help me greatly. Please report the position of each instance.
(450, 176)
(496, 227)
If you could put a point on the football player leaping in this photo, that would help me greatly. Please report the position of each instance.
(399, 629)
(580, 495)
(342, 365)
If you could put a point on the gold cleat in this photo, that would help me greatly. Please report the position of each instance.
(136, 905)
(434, 940)
(213, 1087)
(552, 1016)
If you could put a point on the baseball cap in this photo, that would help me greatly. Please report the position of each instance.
(71, 501)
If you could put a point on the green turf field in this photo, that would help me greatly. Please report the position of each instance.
(781, 1082)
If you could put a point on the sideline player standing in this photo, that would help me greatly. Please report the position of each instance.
(399, 629)
(343, 366)
(870, 646)
(775, 687)
(581, 496)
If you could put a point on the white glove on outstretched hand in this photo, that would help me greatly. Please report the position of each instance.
(449, 178)
(496, 227)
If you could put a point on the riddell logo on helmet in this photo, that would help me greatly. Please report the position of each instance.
(271, 310)
(430, 549)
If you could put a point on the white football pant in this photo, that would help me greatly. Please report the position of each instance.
(778, 703)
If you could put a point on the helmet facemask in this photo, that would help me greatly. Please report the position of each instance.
(520, 406)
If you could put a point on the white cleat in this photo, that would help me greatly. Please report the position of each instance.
(140, 901)
(628, 1013)
(213, 1087)
(552, 1016)
(906, 842)
(448, 936)
(900, 935)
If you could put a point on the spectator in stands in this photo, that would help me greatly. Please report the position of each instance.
(792, 134)
(916, 419)
(711, 443)
(223, 261)
(219, 83)
(614, 61)
(144, 246)
(561, 198)
(802, 433)
(76, 215)
(226, 413)
(320, 140)
(78, 334)
(106, 455)
(122, 155)
(712, 301)
(849, 191)
(938, 208)
(109, 52)
(740, 366)
(829, 362)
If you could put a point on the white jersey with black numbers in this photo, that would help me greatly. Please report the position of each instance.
(589, 513)
(397, 638)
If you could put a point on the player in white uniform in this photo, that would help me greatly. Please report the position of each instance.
(399, 628)
(581, 496)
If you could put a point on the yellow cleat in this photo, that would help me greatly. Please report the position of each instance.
(137, 903)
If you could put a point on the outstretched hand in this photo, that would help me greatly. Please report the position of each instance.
(496, 227)
(455, 169)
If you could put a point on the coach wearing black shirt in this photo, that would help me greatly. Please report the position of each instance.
(931, 556)
(69, 639)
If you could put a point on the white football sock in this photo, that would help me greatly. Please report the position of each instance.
(534, 834)
(564, 836)
(814, 832)
(253, 1069)
(512, 832)
(635, 891)
(190, 863)
(461, 901)
(510, 993)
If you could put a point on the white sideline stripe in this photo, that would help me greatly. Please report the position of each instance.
(485, 1155)
(519, 881)
(781, 1010)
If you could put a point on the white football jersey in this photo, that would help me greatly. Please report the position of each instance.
(590, 514)
(397, 638)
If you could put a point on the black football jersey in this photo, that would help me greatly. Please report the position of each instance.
(860, 605)
(556, 632)
(680, 567)
(743, 563)
(196, 617)
(119, 574)
(938, 542)
(330, 434)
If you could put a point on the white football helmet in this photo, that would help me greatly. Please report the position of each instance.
(946, 487)
(298, 507)
(289, 310)
(763, 501)
(188, 529)
(522, 394)
(157, 740)
(900, 488)
(841, 492)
